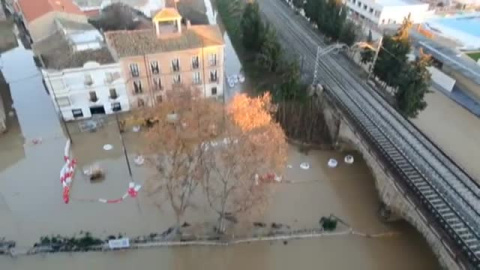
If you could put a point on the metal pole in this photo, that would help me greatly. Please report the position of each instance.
(124, 148)
(379, 47)
(315, 74)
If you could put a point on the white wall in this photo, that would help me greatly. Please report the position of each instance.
(418, 13)
(384, 13)
(441, 79)
(69, 86)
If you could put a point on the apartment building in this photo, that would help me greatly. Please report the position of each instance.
(381, 12)
(81, 76)
(155, 61)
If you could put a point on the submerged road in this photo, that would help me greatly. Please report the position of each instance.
(449, 196)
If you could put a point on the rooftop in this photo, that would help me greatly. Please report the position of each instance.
(167, 14)
(139, 42)
(33, 9)
(396, 3)
(57, 53)
(448, 57)
(73, 26)
(98, 3)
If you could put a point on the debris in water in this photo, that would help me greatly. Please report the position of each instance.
(305, 165)
(139, 160)
(136, 128)
(349, 159)
(332, 163)
(107, 147)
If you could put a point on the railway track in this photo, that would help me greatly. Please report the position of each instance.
(449, 195)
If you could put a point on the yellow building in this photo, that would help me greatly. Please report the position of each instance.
(156, 60)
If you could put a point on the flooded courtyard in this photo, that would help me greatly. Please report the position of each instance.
(31, 206)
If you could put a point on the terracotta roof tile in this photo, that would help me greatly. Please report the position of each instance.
(33, 9)
(167, 14)
(139, 42)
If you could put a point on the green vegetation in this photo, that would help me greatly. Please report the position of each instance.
(263, 58)
(328, 223)
(331, 18)
(475, 56)
(410, 80)
(61, 243)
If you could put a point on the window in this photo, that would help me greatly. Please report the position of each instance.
(212, 59)
(371, 10)
(214, 91)
(213, 76)
(365, 6)
(137, 87)
(154, 67)
(359, 4)
(377, 13)
(195, 62)
(175, 65)
(140, 102)
(93, 96)
(196, 78)
(354, 1)
(113, 93)
(116, 106)
(157, 84)
(134, 70)
(88, 79)
(77, 113)
(177, 79)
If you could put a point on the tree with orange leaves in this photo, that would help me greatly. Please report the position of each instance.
(182, 124)
(251, 145)
(198, 141)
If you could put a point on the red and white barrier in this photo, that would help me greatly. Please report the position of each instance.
(132, 192)
(67, 172)
(66, 176)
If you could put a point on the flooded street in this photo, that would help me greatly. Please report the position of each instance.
(31, 203)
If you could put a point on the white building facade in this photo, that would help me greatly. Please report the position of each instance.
(384, 12)
(79, 93)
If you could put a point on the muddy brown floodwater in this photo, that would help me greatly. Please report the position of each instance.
(31, 203)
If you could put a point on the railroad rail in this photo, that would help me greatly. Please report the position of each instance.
(447, 196)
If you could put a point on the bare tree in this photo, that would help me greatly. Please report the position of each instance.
(251, 145)
(182, 124)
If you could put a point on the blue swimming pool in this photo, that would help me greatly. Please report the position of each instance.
(469, 24)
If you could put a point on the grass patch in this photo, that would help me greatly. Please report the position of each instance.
(475, 56)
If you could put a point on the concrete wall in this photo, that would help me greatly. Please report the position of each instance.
(441, 79)
(379, 14)
(463, 82)
(166, 74)
(68, 89)
(390, 192)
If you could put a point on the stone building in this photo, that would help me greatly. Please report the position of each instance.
(157, 60)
